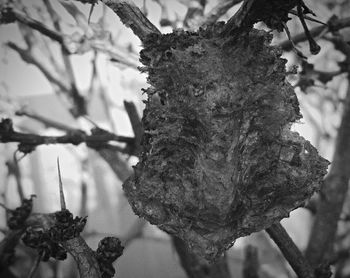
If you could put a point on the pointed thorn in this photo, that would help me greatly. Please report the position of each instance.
(62, 200)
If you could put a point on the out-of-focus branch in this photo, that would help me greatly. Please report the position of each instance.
(70, 44)
(219, 10)
(290, 251)
(37, 25)
(27, 56)
(48, 123)
(116, 162)
(136, 125)
(7, 247)
(251, 263)
(79, 101)
(335, 187)
(14, 170)
(334, 24)
(194, 14)
(132, 17)
(78, 16)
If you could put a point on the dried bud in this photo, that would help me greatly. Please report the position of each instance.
(6, 12)
(41, 241)
(66, 227)
(109, 249)
(18, 216)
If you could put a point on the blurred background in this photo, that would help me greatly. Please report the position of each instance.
(35, 76)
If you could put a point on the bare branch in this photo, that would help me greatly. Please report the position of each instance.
(78, 16)
(95, 140)
(84, 256)
(117, 163)
(48, 123)
(37, 25)
(335, 187)
(290, 251)
(334, 24)
(135, 121)
(79, 101)
(50, 74)
(251, 263)
(69, 44)
(132, 17)
(219, 10)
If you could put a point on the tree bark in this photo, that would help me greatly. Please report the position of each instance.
(198, 268)
(333, 193)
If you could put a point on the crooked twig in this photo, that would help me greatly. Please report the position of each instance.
(333, 25)
(96, 140)
(314, 47)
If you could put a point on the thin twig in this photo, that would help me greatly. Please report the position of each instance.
(314, 47)
(333, 25)
(76, 137)
(90, 12)
(290, 251)
(37, 25)
(219, 10)
(48, 123)
(77, 98)
(297, 51)
(308, 18)
(35, 266)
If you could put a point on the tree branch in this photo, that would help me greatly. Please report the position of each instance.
(48, 123)
(29, 57)
(290, 251)
(334, 24)
(196, 267)
(334, 189)
(76, 137)
(132, 17)
(37, 25)
(136, 124)
(251, 262)
(219, 10)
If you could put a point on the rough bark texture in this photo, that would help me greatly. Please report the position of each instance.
(132, 17)
(84, 257)
(219, 160)
(196, 267)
